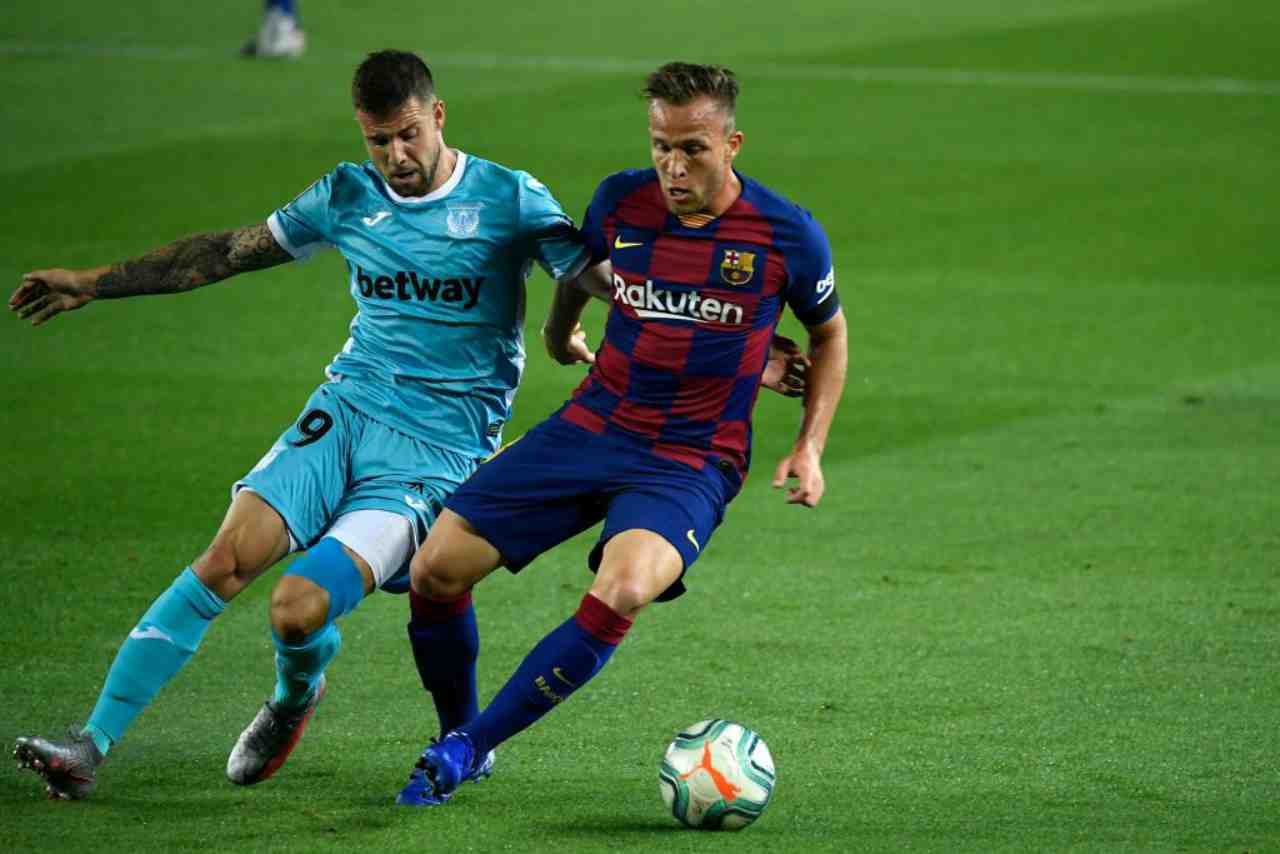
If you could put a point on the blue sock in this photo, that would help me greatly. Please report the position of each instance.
(286, 6)
(300, 666)
(446, 644)
(164, 639)
(561, 663)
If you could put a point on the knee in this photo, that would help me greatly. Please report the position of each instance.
(623, 592)
(219, 568)
(430, 576)
(635, 568)
(251, 538)
(232, 561)
(299, 607)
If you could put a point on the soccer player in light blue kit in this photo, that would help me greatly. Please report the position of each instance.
(438, 245)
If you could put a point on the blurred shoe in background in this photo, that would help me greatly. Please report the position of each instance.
(280, 36)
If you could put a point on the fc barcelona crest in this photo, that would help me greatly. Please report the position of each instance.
(464, 220)
(737, 268)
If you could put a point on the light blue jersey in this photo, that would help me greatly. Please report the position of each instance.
(437, 347)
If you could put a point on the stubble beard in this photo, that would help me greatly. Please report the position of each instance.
(429, 174)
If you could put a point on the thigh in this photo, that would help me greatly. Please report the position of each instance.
(637, 566)
(537, 492)
(382, 540)
(678, 504)
(304, 475)
(251, 538)
(453, 559)
(397, 475)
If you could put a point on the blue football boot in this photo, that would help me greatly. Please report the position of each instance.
(442, 767)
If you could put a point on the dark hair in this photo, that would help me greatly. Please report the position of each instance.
(388, 78)
(681, 82)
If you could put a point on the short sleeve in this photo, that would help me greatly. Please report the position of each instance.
(593, 223)
(548, 231)
(811, 291)
(302, 227)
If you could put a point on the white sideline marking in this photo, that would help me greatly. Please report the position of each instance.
(977, 78)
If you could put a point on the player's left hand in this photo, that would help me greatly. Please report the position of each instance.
(787, 370)
(571, 350)
(802, 463)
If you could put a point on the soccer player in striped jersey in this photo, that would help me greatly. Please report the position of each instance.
(698, 261)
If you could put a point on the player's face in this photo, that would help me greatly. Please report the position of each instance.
(693, 147)
(406, 143)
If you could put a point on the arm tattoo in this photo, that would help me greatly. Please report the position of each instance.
(193, 262)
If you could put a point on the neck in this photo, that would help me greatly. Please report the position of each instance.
(444, 169)
(729, 192)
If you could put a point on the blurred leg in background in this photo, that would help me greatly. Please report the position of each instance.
(281, 35)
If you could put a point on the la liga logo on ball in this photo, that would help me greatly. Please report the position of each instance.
(717, 775)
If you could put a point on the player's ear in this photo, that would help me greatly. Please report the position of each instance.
(437, 111)
(734, 142)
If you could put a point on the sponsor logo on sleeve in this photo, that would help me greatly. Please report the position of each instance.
(826, 286)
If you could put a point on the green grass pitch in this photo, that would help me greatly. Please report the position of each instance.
(1039, 607)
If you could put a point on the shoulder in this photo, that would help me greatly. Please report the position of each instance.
(347, 173)
(340, 185)
(621, 185)
(349, 181)
(777, 208)
(486, 171)
(632, 196)
(499, 179)
(511, 189)
(795, 229)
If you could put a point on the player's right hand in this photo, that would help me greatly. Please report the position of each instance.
(570, 350)
(46, 293)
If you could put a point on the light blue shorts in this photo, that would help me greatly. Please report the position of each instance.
(335, 460)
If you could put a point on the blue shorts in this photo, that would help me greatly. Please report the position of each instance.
(559, 479)
(335, 459)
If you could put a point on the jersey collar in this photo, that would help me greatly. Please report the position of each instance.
(445, 189)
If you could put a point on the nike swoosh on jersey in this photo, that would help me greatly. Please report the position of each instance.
(371, 221)
(149, 633)
(619, 243)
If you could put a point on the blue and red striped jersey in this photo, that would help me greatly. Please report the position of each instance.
(696, 300)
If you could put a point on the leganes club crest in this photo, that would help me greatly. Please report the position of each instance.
(464, 220)
(737, 268)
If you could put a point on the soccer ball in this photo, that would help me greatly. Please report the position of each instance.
(717, 775)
